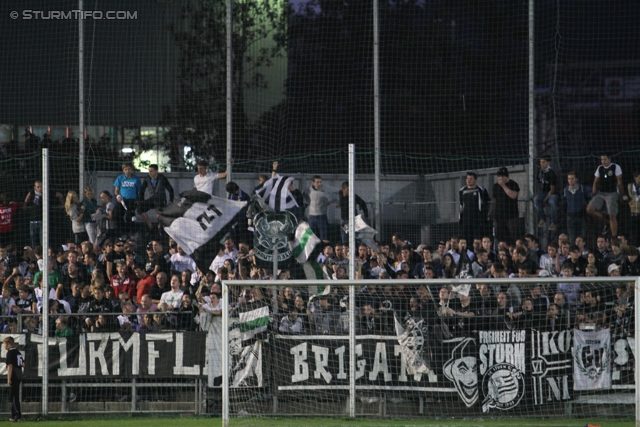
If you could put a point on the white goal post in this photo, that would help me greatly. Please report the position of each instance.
(353, 391)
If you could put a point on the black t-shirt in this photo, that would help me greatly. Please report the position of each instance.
(103, 306)
(547, 178)
(579, 267)
(156, 292)
(115, 258)
(464, 326)
(14, 358)
(34, 207)
(25, 303)
(81, 305)
(9, 263)
(59, 264)
(505, 206)
(607, 180)
(629, 268)
(151, 263)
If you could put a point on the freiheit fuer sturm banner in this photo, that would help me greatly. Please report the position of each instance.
(115, 354)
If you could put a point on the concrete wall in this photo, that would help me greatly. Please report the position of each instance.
(409, 202)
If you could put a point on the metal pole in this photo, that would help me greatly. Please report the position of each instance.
(134, 392)
(352, 278)
(225, 289)
(274, 293)
(229, 86)
(275, 266)
(274, 289)
(225, 355)
(529, 218)
(45, 281)
(377, 207)
(636, 293)
(352, 211)
(80, 101)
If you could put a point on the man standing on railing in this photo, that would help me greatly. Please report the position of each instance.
(33, 205)
(547, 180)
(127, 188)
(505, 207)
(576, 197)
(158, 186)
(206, 180)
(474, 207)
(318, 200)
(607, 188)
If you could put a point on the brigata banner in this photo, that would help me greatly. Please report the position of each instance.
(321, 362)
(115, 354)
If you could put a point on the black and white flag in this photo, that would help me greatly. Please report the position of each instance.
(276, 194)
(197, 218)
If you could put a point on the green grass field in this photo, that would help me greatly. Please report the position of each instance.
(317, 422)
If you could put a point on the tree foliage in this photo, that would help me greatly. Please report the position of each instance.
(199, 119)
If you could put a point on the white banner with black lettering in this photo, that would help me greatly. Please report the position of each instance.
(502, 368)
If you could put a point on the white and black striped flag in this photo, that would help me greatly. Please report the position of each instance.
(276, 194)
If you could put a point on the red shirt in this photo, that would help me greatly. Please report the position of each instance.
(124, 284)
(144, 287)
(7, 212)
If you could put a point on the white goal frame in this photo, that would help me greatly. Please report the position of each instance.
(275, 284)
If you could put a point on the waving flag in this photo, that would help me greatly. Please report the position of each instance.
(304, 242)
(365, 233)
(197, 218)
(276, 194)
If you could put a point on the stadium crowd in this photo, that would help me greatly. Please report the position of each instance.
(119, 271)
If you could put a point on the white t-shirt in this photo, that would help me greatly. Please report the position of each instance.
(218, 262)
(172, 298)
(182, 262)
(205, 183)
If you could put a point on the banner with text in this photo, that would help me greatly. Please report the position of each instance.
(115, 354)
(592, 360)
(322, 362)
(493, 370)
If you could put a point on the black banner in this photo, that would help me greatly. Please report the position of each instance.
(502, 368)
(491, 370)
(322, 362)
(551, 366)
(115, 354)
